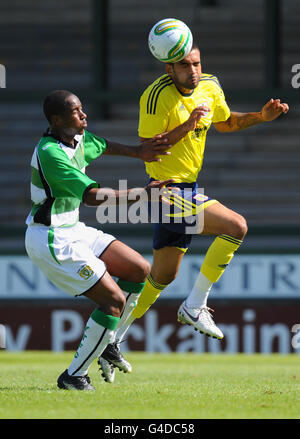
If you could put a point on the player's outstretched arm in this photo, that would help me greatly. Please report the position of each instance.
(239, 121)
(148, 150)
(96, 196)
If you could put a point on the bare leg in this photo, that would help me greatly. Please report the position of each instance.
(219, 219)
(125, 263)
(166, 263)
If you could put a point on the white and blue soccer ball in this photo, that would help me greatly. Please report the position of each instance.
(170, 40)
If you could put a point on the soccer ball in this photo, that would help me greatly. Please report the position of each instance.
(170, 40)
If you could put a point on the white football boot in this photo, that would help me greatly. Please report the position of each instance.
(201, 319)
(107, 369)
(110, 359)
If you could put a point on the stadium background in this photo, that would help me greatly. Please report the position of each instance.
(98, 49)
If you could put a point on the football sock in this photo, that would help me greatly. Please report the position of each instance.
(148, 296)
(123, 329)
(218, 256)
(199, 294)
(132, 291)
(98, 333)
(216, 260)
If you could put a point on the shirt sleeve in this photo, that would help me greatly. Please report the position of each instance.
(94, 146)
(221, 111)
(60, 178)
(154, 120)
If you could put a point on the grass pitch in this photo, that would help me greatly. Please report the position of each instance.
(161, 386)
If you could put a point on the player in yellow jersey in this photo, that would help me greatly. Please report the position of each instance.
(183, 104)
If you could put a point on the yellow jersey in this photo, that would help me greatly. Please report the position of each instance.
(163, 108)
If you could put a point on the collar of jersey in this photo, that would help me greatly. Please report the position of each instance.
(185, 94)
(69, 145)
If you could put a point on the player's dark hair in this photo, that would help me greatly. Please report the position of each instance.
(55, 103)
(194, 46)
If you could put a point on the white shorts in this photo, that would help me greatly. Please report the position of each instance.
(68, 256)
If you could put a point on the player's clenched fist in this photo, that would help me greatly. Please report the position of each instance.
(195, 116)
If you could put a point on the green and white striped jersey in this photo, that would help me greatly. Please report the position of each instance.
(58, 179)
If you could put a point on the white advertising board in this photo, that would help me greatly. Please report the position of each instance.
(248, 276)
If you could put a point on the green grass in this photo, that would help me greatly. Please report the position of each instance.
(161, 386)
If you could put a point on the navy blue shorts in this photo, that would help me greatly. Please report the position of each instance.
(176, 227)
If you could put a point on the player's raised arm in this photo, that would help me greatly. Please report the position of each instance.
(239, 121)
(183, 129)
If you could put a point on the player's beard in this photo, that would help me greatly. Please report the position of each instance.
(189, 84)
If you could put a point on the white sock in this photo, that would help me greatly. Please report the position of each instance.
(126, 319)
(95, 339)
(121, 331)
(199, 294)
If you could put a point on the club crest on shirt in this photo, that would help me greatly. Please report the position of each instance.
(198, 132)
(85, 272)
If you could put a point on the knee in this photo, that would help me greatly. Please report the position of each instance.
(238, 228)
(142, 270)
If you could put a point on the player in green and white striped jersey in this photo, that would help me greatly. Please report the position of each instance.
(76, 258)
(53, 163)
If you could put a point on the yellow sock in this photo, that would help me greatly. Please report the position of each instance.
(148, 296)
(218, 256)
